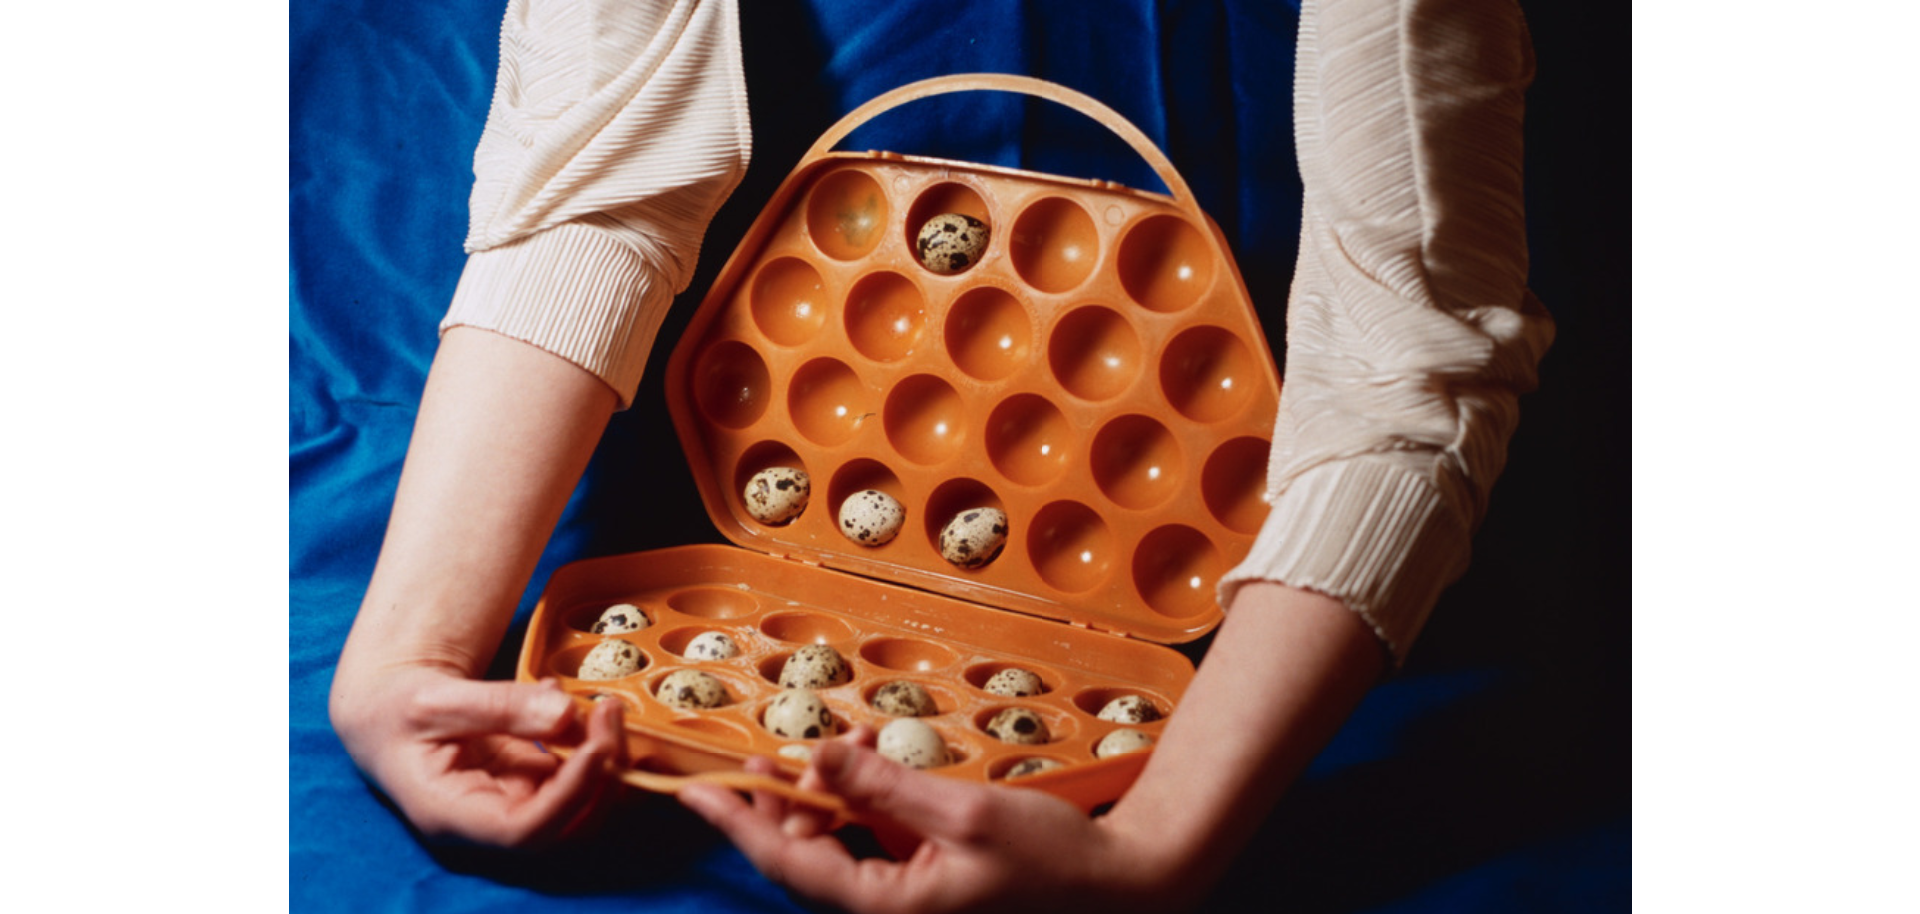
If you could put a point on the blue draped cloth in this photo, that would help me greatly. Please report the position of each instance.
(1490, 775)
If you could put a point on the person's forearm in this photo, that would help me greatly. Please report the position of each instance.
(1286, 669)
(504, 432)
(1411, 335)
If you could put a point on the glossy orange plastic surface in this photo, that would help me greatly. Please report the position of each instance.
(771, 607)
(1098, 374)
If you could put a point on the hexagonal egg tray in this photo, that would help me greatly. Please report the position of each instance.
(1098, 374)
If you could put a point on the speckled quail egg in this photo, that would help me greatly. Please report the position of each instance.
(711, 646)
(912, 743)
(1130, 709)
(902, 698)
(951, 242)
(1121, 742)
(799, 714)
(816, 666)
(691, 690)
(1020, 726)
(871, 517)
(1014, 682)
(974, 537)
(610, 660)
(1031, 766)
(777, 494)
(620, 618)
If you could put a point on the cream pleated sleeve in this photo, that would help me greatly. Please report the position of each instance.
(617, 130)
(1410, 329)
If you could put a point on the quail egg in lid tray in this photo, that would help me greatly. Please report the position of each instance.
(972, 426)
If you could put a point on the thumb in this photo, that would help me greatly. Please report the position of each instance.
(464, 707)
(927, 804)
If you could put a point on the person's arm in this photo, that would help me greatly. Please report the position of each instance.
(616, 131)
(1411, 333)
(504, 432)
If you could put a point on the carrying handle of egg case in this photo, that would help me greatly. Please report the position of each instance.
(1021, 85)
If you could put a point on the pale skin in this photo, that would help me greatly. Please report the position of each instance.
(503, 434)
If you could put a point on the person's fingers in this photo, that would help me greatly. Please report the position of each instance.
(449, 707)
(568, 796)
(766, 802)
(804, 820)
(929, 804)
(860, 735)
(819, 868)
(604, 725)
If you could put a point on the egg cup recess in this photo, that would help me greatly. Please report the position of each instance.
(1056, 412)
(1054, 245)
(846, 214)
(789, 301)
(946, 219)
(988, 333)
(1165, 263)
(885, 316)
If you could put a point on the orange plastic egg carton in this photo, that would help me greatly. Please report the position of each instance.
(1098, 374)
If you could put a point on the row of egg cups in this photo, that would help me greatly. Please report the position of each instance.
(1067, 546)
(955, 680)
(1074, 731)
(1133, 463)
(1046, 239)
(988, 331)
(1091, 352)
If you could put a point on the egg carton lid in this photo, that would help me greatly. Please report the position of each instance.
(1119, 610)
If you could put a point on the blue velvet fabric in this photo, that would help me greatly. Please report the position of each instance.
(1491, 775)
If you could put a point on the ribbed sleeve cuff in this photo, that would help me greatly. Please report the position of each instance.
(1373, 535)
(573, 291)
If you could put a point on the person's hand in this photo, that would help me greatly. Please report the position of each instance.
(458, 756)
(958, 846)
